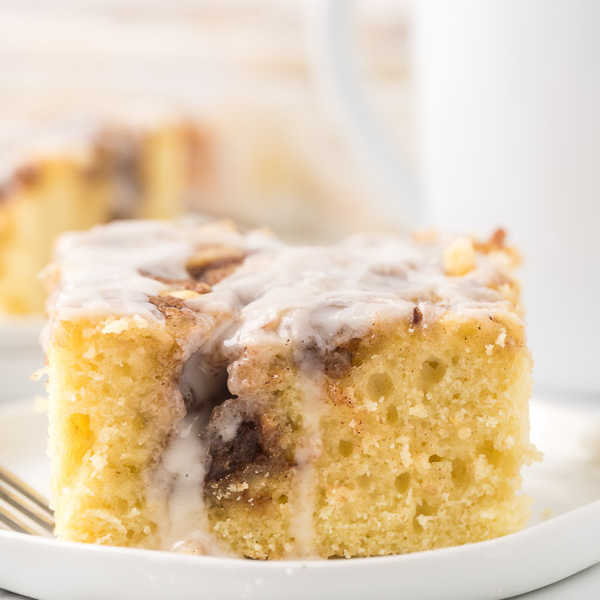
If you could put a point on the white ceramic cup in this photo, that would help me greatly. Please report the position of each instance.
(508, 96)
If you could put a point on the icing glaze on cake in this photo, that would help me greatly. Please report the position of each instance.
(304, 294)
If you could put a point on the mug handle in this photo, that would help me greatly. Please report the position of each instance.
(334, 65)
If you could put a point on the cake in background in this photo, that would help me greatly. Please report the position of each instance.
(80, 177)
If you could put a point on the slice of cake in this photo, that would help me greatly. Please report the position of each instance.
(223, 393)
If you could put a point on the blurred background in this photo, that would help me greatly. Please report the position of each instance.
(240, 67)
(316, 119)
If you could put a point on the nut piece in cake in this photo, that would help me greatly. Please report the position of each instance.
(360, 399)
(459, 257)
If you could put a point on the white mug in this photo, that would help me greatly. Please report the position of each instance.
(508, 96)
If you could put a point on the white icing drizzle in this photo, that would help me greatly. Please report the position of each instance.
(295, 293)
(305, 297)
(323, 296)
(302, 527)
(176, 493)
(101, 270)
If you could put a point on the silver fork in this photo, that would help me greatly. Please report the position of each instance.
(22, 508)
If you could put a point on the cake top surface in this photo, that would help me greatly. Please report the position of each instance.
(258, 288)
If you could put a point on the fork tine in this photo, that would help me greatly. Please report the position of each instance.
(24, 504)
(25, 490)
(22, 508)
(18, 521)
(4, 526)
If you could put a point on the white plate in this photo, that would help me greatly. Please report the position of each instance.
(567, 484)
(20, 332)
(20, 356)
